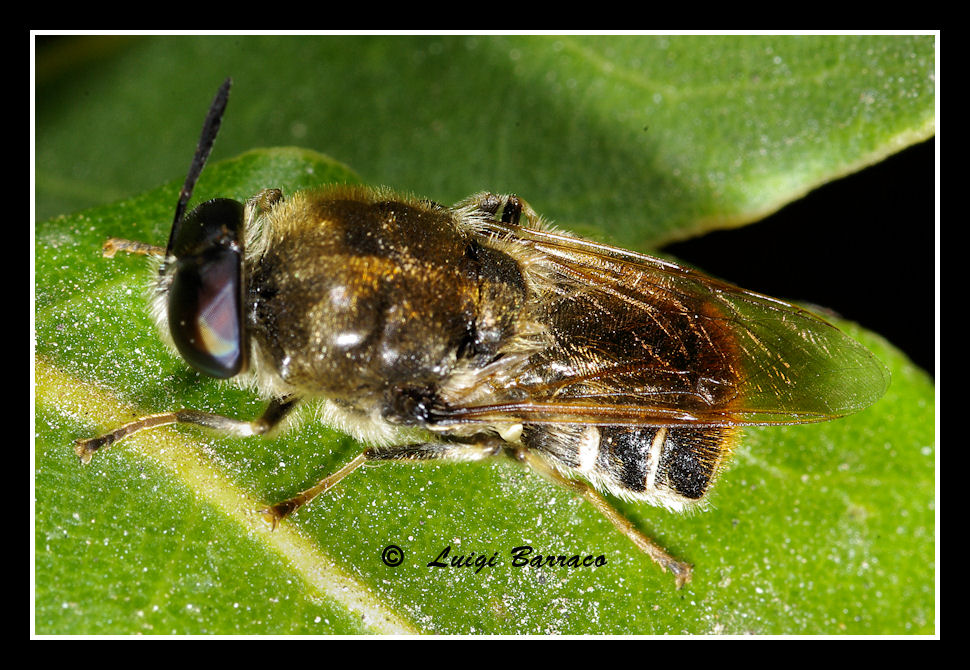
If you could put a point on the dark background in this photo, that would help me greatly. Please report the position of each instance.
(862, 246)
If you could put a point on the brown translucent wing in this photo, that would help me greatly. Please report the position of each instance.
(637, 340)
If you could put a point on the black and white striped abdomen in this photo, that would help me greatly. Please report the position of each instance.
(669, 466)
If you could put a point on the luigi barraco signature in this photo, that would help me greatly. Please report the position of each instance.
(521, 557)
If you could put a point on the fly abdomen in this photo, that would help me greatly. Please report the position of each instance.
(671, 466)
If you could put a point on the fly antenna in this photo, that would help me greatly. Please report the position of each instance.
(209, 131)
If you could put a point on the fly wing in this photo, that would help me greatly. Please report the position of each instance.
(636, 340)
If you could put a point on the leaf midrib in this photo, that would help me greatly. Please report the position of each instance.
(185, 460)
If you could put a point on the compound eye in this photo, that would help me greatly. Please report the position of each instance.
(205, 313)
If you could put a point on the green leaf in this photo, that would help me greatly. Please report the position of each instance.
(825, 528)
(642, 139)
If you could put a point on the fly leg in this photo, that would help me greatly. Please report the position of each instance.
(278, 408)
(511, 206)
(681, 570)
(465, 449)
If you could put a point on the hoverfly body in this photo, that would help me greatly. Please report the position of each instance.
(482, 330)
